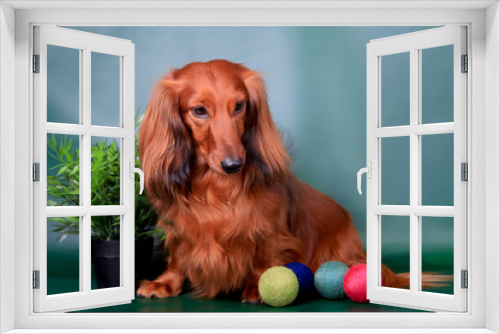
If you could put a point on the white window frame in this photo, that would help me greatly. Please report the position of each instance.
(414, 43)
(483, 20)
(85, 44)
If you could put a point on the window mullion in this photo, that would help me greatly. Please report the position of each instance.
(415, 237)
(81, 223)
(85, 180)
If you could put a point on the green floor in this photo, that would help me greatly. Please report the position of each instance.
(186, 303)
(67, 281)
(314, 303)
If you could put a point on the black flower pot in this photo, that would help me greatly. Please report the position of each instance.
(106, 263)
(143, 252)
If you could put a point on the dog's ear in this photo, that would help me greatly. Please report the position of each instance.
(264, 147)
(165, 145)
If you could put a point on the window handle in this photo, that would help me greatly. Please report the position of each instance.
(368, 171)
(134, 170)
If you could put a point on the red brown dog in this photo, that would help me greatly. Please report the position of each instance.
(217, 168)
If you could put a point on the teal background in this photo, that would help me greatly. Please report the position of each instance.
(316, 80)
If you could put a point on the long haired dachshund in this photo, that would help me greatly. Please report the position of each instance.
(216, 167)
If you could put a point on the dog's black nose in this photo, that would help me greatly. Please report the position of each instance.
(232, 166)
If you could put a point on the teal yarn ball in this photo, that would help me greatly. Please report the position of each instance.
(329, 279)
(278, 286)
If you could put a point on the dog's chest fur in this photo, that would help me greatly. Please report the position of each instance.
(220, 234)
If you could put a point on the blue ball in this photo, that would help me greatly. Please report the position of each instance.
(304, 275)
(329, 279)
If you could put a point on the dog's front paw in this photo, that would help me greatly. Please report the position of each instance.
(251, 295)
(153, 290)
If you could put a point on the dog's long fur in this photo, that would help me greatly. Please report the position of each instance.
(228, 229)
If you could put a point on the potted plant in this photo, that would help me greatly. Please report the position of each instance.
(63, 189)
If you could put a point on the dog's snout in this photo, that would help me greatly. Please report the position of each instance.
(231, 166)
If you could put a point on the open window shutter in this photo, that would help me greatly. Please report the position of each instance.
(428, 53)
(77, 139)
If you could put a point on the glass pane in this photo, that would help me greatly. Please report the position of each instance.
(105, 252)
(63, 170)
(63, 255)
(105, 170)
(437, 252)
(437, 169)
(437, 84)
(105, 90)
(63, 85)
(395, 250)
(395, 89)
(395, 171)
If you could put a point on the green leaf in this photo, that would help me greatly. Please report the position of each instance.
(62, 170)
(75, 170)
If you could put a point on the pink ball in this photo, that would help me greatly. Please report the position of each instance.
(355, 283)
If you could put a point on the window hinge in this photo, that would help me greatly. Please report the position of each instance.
(36, 172)
(36, 279)
(36, 63)
(465, 64)
(465, 279)
(464, 171)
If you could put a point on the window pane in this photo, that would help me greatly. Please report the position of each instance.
(437, 84)
(63, 85)
(395, 248)
(395, 171)
(105, 252)
(105, 170)
(395, 89)
(437, 169)
(105, 90)
(63, 255)
(63, 170)
(437, 251)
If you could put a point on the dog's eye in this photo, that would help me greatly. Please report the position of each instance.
(240, 106)
(199, 111)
